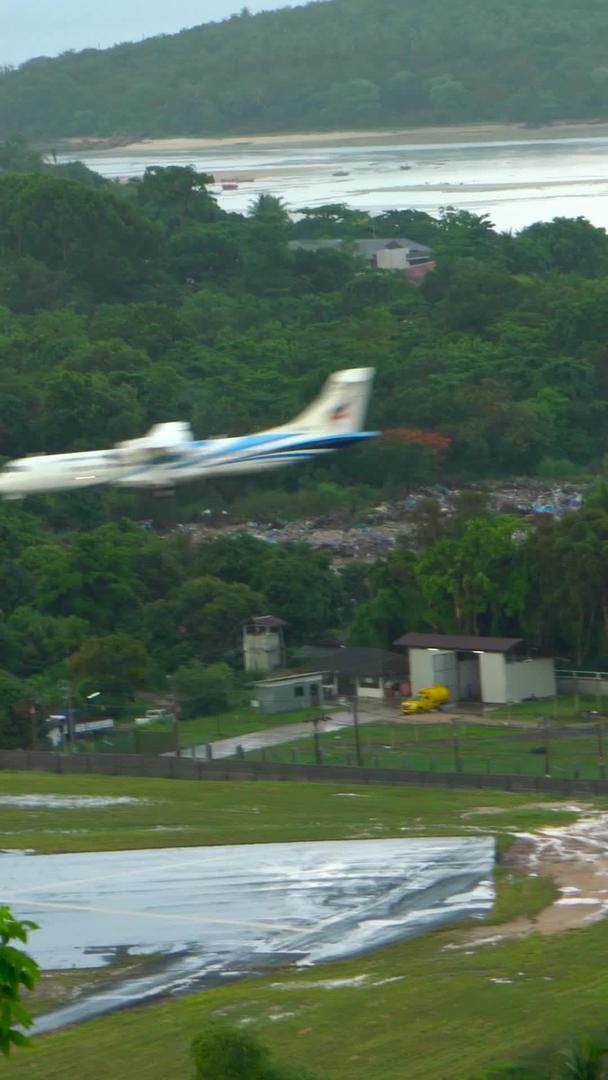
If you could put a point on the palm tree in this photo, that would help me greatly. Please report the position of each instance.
(586, 1061)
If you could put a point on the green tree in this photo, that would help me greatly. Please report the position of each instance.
(17, 156)
(15, 721)
(448, 97)
(473, 583)
(18, 972)
(566, 245)
(357, 101)
(176, 195)
(202, 690)
(116, 664)
(396, 605)
(96, 237)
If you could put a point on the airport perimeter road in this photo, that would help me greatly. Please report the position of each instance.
(277, 736)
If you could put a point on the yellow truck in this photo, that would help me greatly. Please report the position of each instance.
(427, 699)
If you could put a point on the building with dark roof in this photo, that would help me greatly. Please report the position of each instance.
(369, 673)
(493, 670)
(461, 642)
(396, 253)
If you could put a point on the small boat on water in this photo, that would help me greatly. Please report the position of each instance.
(341, 172)
(230, 185)
(405, 168)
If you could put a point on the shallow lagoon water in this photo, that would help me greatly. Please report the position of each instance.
(516, 182)
(218, 913)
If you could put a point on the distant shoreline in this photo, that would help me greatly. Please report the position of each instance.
(461, 133)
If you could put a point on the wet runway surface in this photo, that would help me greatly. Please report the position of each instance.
(218, 913)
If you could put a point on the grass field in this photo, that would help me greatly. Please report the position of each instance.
(463, 747)
(421, 1009)
(185, 813)
(567, 707)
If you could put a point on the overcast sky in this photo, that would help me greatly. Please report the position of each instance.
(47, 27)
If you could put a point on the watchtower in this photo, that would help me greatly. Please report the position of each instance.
(264, 643)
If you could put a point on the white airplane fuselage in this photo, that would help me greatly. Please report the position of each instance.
(169, 455)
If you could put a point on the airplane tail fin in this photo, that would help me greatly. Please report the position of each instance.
(340, 407)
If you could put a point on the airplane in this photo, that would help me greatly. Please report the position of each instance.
(169, 454)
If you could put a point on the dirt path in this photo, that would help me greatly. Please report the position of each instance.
(576, 857)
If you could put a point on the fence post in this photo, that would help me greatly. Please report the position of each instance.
(600, 751)
(356, 732)
(456, 745)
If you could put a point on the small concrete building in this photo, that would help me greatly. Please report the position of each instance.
(264, 643)
(288, 693)
(487, 669)
(366, 672)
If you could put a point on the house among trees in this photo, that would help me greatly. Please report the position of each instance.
(397, 253)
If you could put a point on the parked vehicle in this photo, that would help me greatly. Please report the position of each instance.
(152, 716)
(427, 699)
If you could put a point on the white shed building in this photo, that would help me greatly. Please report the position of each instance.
(488, 669)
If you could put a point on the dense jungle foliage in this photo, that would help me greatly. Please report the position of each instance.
(355, 63)
(121, 306)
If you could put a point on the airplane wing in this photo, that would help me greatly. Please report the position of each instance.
(161, 440)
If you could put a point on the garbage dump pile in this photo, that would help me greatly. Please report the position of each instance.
(370, 534)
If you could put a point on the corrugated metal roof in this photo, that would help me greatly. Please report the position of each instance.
(267, 620)
(461, 642)
(367, 247)
(362, 661)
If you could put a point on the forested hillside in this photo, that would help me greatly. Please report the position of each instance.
(355, 63)
(126, 305)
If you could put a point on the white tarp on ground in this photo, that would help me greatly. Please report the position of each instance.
(216, 912)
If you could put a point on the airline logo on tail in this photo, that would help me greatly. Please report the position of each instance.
(341, 412)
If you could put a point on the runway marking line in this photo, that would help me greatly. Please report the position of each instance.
(90, 908)
(165, 869)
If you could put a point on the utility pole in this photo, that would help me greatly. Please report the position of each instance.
(317, 719)
(318, 755)
(547, 748)
(356, 732)
(34, 726)
(176, 738)
(67, 689)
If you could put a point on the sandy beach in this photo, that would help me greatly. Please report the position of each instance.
(415, 136)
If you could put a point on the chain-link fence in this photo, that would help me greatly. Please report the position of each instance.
(576, 752)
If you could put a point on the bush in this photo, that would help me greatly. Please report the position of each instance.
(558, 469)
(222, 1052)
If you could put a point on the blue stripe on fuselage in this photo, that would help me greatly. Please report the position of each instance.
(302, 447)
(301, 441)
